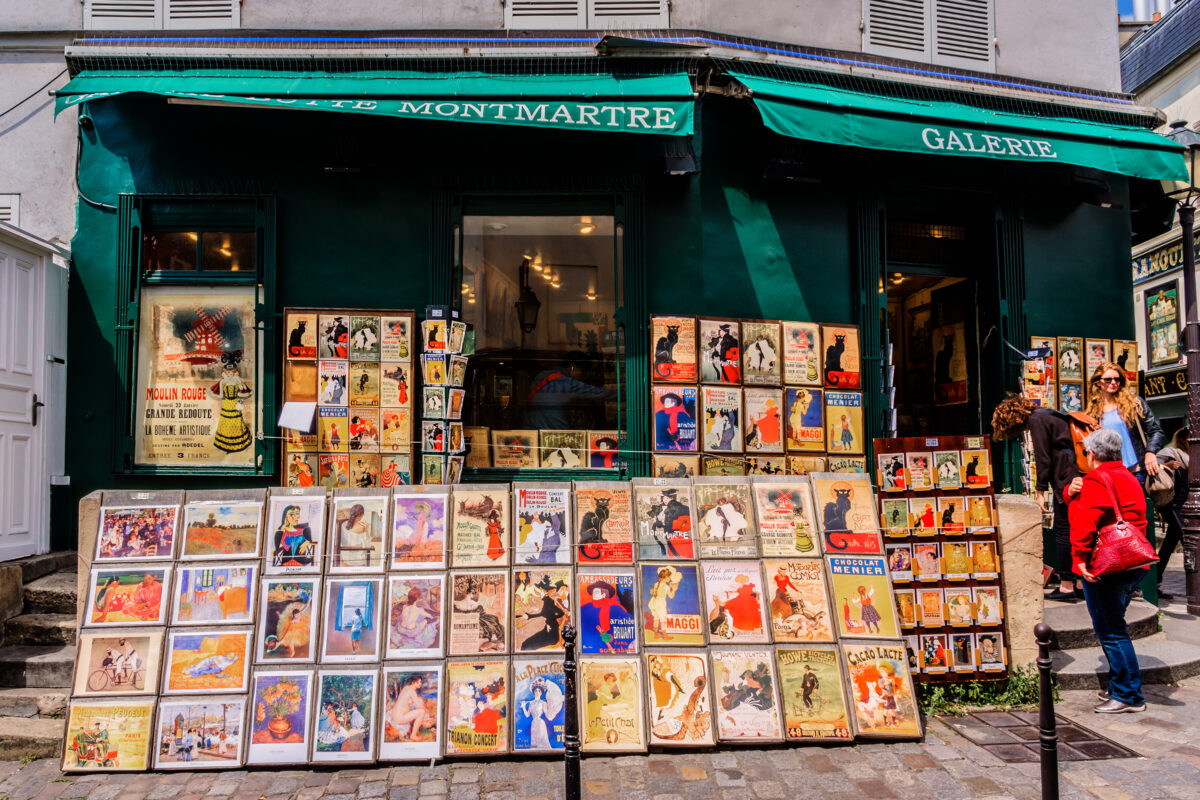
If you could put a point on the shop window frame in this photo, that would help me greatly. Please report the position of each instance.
(185, 213)
(624, 204)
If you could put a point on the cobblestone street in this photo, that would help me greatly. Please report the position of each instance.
(946, 766)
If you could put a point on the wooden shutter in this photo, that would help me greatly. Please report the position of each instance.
(202, 14)
(962, 34)
(10, 209)
(545, 14)
(122, 15)
(897, 28)
(626, 14)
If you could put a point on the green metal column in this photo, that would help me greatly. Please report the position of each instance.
(1010, 282)
(870, 259)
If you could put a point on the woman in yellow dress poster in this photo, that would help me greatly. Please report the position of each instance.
(232, 433)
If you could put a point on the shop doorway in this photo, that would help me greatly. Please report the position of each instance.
(932, 325)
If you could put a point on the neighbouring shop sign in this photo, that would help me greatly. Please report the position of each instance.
(1160, 260)
(1165, 384)
(196, 373)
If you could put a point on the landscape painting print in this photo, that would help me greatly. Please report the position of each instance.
(480, 530)
(207, 661)
(288, 620)
(200, 733)
(814, 696)
(543, 523)
(744, 684)
(279, 717)
(786, 527)
(136, 533)
(221, 530)
(412, 713)
(673, 343)
(477, 706)
(541, 608)
(612, 719)
(607, 616)
(129, 596)
(846, 513)
(539, 698)
(215, 594)
(863, 597)
(680, 696)
(345, 716)
(662, 509)
(414, 615)
(604, 519)
(725, 518)
(799, 603)
(735, 606)
(419, 529)
(108, 736)
(881, 690)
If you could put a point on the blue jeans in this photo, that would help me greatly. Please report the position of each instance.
(1107, 600)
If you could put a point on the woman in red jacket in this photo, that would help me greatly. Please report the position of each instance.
(1090, 506)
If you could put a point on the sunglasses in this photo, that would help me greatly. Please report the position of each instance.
(1111, 380)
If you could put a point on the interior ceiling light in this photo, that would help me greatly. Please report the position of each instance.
(194, 237)
(225, 251)
(496, 227)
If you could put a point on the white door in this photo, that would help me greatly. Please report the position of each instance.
(24, 484)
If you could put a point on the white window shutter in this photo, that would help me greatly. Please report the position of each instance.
(202, 14)
(897, 28)
(10, 209)
(122, 15)
(545, 14)
(627, 14)
(962, 34)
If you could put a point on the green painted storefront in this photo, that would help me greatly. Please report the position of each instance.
(725, 242)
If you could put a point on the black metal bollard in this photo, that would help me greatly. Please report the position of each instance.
(571, 718)
(1047, 725)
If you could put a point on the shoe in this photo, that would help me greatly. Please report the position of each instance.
(1137, 594)
(1079, 592)
(1058, 594)
(1105, 696)
(1165, 595)
(1117, 707)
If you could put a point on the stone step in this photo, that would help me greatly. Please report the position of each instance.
(52, 594)
(41, 667)
(1161, 660)
(35, 567)
(32, 702)
(1073, 625)
(24, 738)
(44, 629)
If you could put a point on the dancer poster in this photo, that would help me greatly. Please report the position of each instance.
(786, 526)
(881, 690)
(197, 398)
(745, 687)
(539, 705)
(670, 599)
(542, 524)
(679, 690)
(607, 616)
(613, 705)
(541, 607)
(799, 602)
(814, 695)
(662, 510)
(412, 713)
(480, 528)
(478, 612)
(725, 518)
(863, 595)
(477, 707)
(735, 604)
(604, 519)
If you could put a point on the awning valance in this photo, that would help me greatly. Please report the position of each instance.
(839, 116)
(661, 104)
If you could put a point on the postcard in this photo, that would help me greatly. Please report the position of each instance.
(394, 380)
(984, 561)
(344, 715)
(108, 735)
(118, 663)
(959, 611)
(333, 470)
(673, 341)
(881, 689)
(735, 604)
(662, 509)
(863, 594)
(302, 335)
(295, 533)
(358, 542)
(906, 607)
(746, 689)
(604, 520)
(721, 419)
(395, 471)
(351, 627)
(675, 415)
(926, 561)
(956, 561)
(415, 615)
(136, 533)
(919, 472)
(900, 562)
(128, 595)
(199, 733)
(679, 696)
(603, 452)
(287, 631)
(364, 435)
(280, 710)
(979, 512)
(988, 608)
(607, 610)
(991, 652)
(763, 431)
(671, 605)
(948, 469)
(543, 523)
(364, 384)
(364, 338)
(539, 697)
(334, 340)
(720, 346)
(221, 530)
(814, 695)
(332, 377)
(962, 652)
(395, 338)
(333, 429)
(761, 348)
(397, 430)
(930, 610)
(214, 595)
(477, 706)
(480, 529)
(207, 661)
(894, 515)
(478, 614)
(412, 712)
(725, 518)
(419, 520)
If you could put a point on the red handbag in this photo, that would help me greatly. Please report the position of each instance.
(1120, 546)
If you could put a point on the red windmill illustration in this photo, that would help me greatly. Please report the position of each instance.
(206, 336)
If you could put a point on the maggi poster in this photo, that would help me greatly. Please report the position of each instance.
(196, 374)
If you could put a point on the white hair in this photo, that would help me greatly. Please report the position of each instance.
(1104, 444)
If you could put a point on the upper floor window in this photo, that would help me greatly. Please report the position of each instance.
(586, 14)
(956, 33)
(149, 15)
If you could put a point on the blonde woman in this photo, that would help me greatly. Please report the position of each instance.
(1122, 412)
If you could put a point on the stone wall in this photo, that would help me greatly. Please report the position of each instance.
(1021, 573)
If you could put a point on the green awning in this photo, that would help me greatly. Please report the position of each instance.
(661, 104)
(838, 116)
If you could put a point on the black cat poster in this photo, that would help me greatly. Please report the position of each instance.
(950, 365)
(843, 359)
(673, 350)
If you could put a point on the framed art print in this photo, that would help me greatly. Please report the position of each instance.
(136, 533)
(420, 516)
(814, 693)
(280, 712)
(762, 364)
(662, 510)
(200, 733)
(350, 632)
(745, 685)
(673, 349)
(415, 615)
(612, 705)
(344, 715)
(539, 704)
(679, 698)
(358, 540)
(128, 725)
(412, 725)
(128, 594)
(215, 595)
(219, 529)
(720, 351)
(881, 690)
(607, 600)
(118, 662)
(287, 619)
(207, 661)
(477, 706)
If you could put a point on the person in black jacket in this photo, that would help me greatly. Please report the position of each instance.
(1054, 457)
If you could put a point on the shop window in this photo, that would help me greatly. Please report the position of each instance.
(194, 345)
(542, 294)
